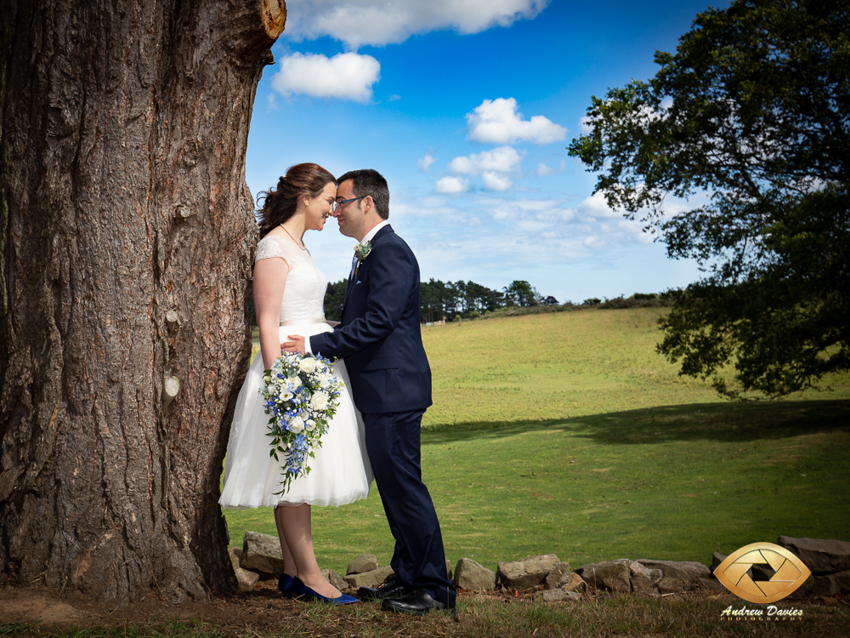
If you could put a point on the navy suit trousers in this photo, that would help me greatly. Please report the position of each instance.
(392, 440)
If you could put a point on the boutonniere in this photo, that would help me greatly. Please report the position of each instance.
(361, 251)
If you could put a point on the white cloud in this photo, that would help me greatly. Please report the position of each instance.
(345, 76)
(495, 182)
(428, 206)
(532, 227)
(544, 171)
(635, 230)
(504, 159)
(376, 22)
(498, 122)
(452, 185)
(425, 163)
(596, 206)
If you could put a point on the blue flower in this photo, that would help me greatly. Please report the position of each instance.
(292, 410)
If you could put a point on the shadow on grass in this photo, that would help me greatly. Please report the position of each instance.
(703, 421)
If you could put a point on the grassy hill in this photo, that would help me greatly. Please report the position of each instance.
(554, 365)
(565, 433)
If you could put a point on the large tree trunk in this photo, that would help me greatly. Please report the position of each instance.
(126, 232)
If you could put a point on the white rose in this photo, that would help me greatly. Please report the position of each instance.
(311, 425)
(308, 364)
(296, 424)
(293, 382)
(319, 401)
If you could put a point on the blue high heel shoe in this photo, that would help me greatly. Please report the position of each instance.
(284, 584)
(300, 589)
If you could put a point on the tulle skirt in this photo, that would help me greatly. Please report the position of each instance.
(339, 474)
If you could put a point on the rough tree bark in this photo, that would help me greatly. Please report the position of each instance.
(126, 232)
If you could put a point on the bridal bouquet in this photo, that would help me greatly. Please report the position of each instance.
(302, 395)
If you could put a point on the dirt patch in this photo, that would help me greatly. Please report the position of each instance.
(36, 608)
(262, 612)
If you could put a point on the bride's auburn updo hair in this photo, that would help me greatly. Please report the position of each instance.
(279, 204)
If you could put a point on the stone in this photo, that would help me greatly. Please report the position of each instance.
(842, 579)
(361, 564)
(373, 578)
(334, 579)
(805, 589)
(261, 553)
(687, 571)
(526, 573)
(831, 585)
(820, 556)
(472, 576)
(559, 575)
(575, 583)
(556, 596)
(823, 586)
(245, 579)
(716, 559)
(671, 585)
(761, 572)
(609, 574)
(642, 578)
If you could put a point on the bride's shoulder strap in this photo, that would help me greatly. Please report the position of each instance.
(271, 246)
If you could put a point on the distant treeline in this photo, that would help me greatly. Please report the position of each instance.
(447, 300)
(455, 301)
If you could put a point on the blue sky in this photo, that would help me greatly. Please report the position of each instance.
(466, 107)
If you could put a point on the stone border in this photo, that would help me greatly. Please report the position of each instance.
(829, 561)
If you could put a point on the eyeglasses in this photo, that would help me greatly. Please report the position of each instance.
(338, 205)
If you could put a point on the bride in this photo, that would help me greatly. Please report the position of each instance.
(289, 292)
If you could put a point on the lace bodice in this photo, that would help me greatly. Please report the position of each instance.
(304, 292)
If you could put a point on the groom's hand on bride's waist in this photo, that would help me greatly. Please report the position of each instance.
(296, 345)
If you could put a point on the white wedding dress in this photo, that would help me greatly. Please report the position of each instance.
(340, 473)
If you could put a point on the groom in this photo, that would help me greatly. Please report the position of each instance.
(379, 338)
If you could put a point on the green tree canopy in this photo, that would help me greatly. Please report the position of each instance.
(750, 122)
(521, 293)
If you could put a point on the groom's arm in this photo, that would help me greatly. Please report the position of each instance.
(301, 344)
(392, 279)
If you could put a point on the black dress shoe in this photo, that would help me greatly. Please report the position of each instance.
(417, 601)
(391, 589)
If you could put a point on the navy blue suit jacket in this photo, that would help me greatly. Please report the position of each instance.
(379, 335)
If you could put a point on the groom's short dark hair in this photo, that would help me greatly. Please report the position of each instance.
(367, 181)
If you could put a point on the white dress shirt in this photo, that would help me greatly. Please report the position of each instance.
(367, 237)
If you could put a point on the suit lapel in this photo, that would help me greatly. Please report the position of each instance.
(352, 281)
(348, 291)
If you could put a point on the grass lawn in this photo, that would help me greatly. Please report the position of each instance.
(479, 617)
(599, 617)
(566, 433)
